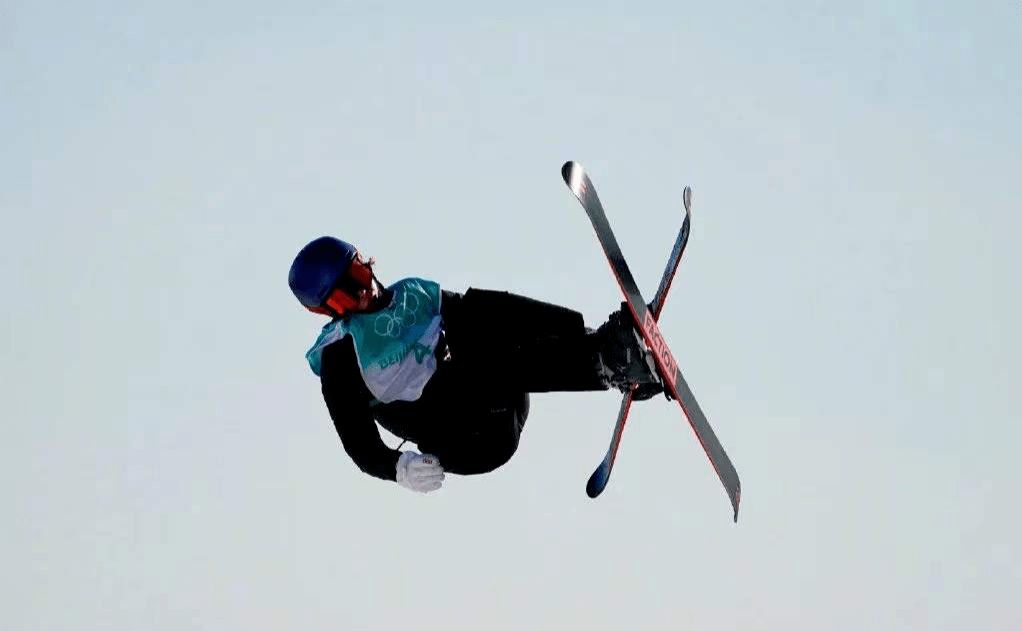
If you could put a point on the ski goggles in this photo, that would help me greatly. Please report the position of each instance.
(356, 279)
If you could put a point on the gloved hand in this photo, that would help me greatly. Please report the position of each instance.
(419, 472)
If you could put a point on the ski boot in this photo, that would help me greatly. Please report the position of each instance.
(622, 357)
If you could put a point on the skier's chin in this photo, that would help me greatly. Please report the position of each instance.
(368, 299)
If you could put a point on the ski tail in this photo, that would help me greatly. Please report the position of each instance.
(601, 476)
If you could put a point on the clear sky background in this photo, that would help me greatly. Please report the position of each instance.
(847, 312)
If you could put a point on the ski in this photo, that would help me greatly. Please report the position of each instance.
(674, 382)
(601, 476)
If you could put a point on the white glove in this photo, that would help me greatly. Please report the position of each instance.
(419, 472)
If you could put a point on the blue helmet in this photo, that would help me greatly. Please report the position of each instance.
(317, 269)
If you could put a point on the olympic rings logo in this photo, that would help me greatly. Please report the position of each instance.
(392, 323)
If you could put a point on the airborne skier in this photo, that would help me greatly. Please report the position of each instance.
(448, 371)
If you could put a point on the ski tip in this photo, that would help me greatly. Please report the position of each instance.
(686, 197)
(569, 169)
(598, 481)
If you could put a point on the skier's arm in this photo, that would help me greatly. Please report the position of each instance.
(347, 398)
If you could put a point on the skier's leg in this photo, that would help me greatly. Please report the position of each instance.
(517, 342)
(481, 434)
(485, 313)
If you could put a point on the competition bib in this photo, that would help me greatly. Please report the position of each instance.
(396, 345)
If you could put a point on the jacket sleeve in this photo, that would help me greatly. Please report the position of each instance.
(347, 399)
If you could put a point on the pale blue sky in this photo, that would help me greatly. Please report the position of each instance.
(847, 312)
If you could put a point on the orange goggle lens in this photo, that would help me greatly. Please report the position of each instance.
(340, 301)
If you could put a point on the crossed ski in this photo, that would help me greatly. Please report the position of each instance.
(601, 476)
(645, 317)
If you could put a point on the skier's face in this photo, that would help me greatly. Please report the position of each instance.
(357, 290)
(368, 289)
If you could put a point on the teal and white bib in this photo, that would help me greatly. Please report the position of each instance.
(396, 345)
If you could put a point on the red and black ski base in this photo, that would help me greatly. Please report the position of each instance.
(646, 321)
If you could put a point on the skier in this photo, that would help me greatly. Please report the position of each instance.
(450, 372)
